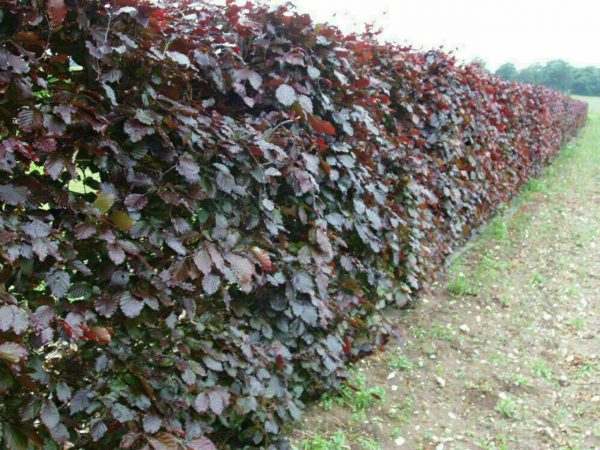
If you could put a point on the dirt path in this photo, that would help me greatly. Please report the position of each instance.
(505, 354)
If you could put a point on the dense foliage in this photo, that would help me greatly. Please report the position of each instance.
(558, 74)
(204, 208)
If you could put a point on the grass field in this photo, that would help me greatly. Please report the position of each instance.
(504, 353)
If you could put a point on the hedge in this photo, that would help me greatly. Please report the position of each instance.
(205, 208)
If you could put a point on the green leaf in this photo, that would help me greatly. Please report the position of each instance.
(13, 438)
(122, 220)
(104, 202)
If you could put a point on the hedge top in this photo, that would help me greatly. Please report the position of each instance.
(205, 207)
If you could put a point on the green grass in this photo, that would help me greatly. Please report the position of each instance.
(542, 370)
(355, 395)
(398, 361)
(368, 444)
(519, 380)
(507, 408)
(460, 285)
(498, 229)
(578, 323)
(402, 412)
(336, 441)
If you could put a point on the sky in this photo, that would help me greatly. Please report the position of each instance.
(519, 31)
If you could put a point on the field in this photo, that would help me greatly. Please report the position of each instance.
(504, 353)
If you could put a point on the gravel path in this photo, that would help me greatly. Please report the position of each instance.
(505, 353)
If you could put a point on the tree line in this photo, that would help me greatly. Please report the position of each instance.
(556, 74)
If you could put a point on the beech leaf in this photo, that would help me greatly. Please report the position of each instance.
(286, 95)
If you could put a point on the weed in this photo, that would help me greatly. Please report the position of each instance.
(357, 396)
(507, 407)
(498, 359)
(327, 401)
(399, 361)
(521, 380)
(578, 324)
(498, 229)
(437, 331)
(403, 412)
(369, 444)
(560, 416)
(337, 441)
(535, 185)
(460, 286)
(490, 263)
(541, 370)
(538, 279)
(586, 370)
(498, 443)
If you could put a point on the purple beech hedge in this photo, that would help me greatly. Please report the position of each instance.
(203, 209)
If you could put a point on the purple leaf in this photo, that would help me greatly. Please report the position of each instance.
(84, 230)
(211, 283)
(225, 181)
(201, 403)
(13, 195)
(201, 443)
(37, 229)
(97, 429)
(218, 400)
(59, 282)
(136, 202)
(188, 168)
(286, 95)
(49, 414)
(130, 306)
(42, 317)
(105, 306)
(202, 260)
(63, 391)
(151, 423)
(179, 58)
(175, 245)
(116, 253)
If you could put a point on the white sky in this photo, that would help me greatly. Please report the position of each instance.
(498, 31)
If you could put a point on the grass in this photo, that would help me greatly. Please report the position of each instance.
(402, 412)
(336, 441)
(542, 370)
(498, 229)
(519, 380)
(368, 444)
(398, 361)
(507, 408)
(460, 285)
(578, 323)
(355, 394)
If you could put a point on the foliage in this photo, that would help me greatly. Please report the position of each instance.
(556, 74)
(204, 207)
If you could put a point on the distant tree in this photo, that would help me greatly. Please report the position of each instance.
(507, 72)
(586, 81)
(557, 74)
(532, 74)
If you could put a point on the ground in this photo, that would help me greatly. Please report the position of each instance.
(505, 351)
